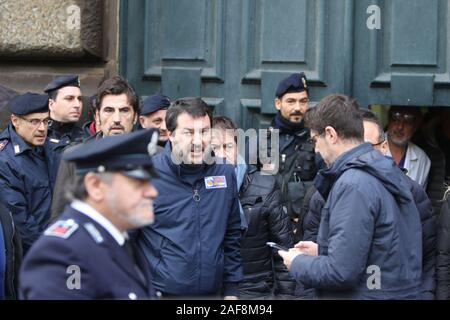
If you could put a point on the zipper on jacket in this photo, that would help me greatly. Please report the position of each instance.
(196, 196)
(13, 257)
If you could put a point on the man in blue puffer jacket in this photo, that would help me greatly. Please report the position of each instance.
(369, 244)
(374, 134)
(193, 248)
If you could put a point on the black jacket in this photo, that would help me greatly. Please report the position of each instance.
(264, 272)
(427, 219)
(443, 253)
(12, 253)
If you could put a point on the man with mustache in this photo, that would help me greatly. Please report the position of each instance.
(193, 248)
(297, 159)
(403, 122)
(153, 115)
(87, 253)
(116, 112)
(65, 106)
(28, 162)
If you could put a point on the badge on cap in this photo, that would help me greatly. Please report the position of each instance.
(215, 182)
(304, 82)
(62, 229)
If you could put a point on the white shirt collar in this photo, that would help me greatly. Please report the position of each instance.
(87, 210)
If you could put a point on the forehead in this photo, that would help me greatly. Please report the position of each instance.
(295, 96)
(69, 91)
(186, 121)
(157, 114)
(222, 135)
(115, 101)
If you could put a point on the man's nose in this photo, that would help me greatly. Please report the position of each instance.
(150, 191)
(197, 138)
(116, 117)
(163, 126)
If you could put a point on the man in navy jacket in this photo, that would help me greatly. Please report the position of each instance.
(193, 248)
(369, 244)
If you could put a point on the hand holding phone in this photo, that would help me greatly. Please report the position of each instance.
(276, 246)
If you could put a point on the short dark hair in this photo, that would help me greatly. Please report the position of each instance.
(195, 107)
(53, 94)
(224, 123)
(116, 86)
(77, 189)
(341, 113)
(369, 116)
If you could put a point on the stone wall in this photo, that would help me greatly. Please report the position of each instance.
(50, 29)
(40, 39)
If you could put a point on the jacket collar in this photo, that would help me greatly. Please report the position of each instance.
(175, 168)
(326, 178)
(19, 145)
(117, 252)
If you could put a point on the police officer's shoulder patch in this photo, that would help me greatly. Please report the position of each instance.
(3, 144)
(62, 229)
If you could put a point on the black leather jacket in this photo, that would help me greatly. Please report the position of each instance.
(265, 275)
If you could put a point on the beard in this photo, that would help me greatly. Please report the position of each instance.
(140, 216)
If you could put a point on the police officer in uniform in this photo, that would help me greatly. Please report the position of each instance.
(66, 105)
(153, 115)
(297, 159)
(87, 253)
(28, 166)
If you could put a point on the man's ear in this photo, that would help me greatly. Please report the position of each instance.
(142, 121)
(278, 103)
(171, 135)
(93, 185)
(15, 121)
(331, 134)
(51, 104)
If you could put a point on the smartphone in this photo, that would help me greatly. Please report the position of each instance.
(276, 246)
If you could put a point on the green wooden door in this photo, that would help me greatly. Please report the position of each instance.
(232, 53)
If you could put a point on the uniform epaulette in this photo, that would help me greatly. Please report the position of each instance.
(3, 144)
(93, 232)
(62, 229)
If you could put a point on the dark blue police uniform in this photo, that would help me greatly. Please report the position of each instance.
(78, 257)
(27, 173)
(62, 134)
(76, 241)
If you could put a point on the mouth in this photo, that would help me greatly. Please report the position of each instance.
(117, 129)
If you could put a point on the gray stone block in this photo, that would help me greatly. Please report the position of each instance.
(51, 29)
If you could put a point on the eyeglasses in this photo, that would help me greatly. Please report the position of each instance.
(378, 143)
(313, 139)
(37, 122)
(403, 117)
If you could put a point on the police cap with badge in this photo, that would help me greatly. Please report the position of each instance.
(61, 82)
(129, 154)
(154, 103)
(296, 82)
(28, 103)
